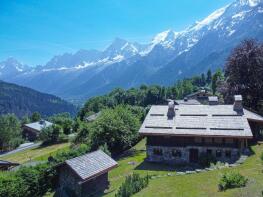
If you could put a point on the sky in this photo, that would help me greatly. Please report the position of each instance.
(33, 31)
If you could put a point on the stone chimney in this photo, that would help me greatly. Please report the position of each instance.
(213, 100)
(171, 111)
(238, 106)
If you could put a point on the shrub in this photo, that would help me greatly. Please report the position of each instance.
(28, 181)
(117, 127)
(231, 180)
(52, 134)
(261, 156)
(205, 160)
(132, 184)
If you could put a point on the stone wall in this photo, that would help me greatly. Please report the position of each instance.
(169, 157)
(72, 185)
(68, 181)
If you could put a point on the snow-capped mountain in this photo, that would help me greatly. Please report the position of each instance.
(11, 67)
(168, 57)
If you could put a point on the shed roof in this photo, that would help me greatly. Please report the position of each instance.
(199, 120)
(39, 125)
(7, 163)
(91, 164)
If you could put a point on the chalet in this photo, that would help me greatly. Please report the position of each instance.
(200, 95)
(85, 175)
(6, 165)
(181, 133)
(187, 101)
(31, 131)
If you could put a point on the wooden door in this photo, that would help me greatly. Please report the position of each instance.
(193, 155)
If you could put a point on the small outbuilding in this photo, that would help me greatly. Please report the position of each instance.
(31, 131)
(86, 175)
(6, 165)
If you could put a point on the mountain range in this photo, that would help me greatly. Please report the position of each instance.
(24, 101)
(170, 56)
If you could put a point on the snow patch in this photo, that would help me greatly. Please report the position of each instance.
(212, 17)
(231, 32)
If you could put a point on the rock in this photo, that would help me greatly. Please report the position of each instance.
(180, 173)
(132, 163)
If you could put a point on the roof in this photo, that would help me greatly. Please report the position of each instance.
(39, 125)
(213, 98)
(199, 120)
(7, 163)
(187, 102)
(91, 164)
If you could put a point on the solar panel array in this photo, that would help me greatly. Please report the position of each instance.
(215, 120)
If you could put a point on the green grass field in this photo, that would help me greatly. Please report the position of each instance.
(36, 154)
(194, 185)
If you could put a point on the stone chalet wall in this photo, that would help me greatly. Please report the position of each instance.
(70, 182)
(167, 154)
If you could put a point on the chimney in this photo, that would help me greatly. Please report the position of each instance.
(171, 111)
(213, 100)
(238, 103)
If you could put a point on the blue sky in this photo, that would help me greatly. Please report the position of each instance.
(33, 31)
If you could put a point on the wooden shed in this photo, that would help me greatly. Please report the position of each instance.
(86, 175)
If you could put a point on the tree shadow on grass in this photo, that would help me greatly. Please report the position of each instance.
(149, 166)
(129, 153)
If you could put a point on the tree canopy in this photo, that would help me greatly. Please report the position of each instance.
(244, 71)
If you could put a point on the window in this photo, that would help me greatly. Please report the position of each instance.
(177, 153)
(209, 152)
(198, 140)
(229, 141)
(157, 151)
(228, 153)
(218, 140)
(218, 153)
(208, 140)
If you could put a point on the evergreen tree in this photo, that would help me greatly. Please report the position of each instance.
(35, 117)
(209, 77)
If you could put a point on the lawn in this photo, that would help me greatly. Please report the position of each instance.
(36, 154)
(194, 185)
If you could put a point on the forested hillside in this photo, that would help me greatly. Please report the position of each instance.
(24, 101)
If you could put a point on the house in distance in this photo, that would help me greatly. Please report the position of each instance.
(7, 165)
(181, 133)
(31, 131)
(86, 175)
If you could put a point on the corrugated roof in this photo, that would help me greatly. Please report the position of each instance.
(204, 120)
(39, 125)
(91, 164)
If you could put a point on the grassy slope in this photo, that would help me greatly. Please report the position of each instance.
(195, 185)
(35, 154)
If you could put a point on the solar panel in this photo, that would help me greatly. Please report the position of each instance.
(226, 115)
(231, 129)
(199, 128)
(156, 127)
(156, 114)
(193, 115)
